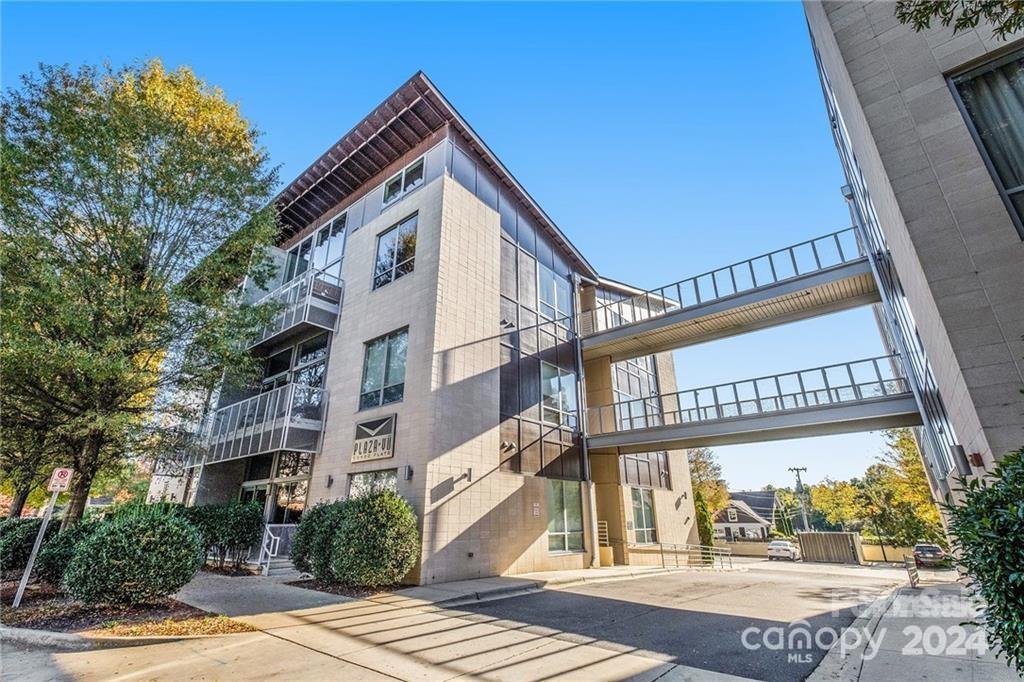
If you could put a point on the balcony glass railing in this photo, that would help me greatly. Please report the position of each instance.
(861, 380)
(798, 260)
(311, 299)
(287, 418)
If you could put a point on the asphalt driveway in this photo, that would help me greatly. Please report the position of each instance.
(667, 627)
(699, 619)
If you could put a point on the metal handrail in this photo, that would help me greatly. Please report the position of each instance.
(261, 423)
(295, 299)
(801, 259)
(694, 555)
(827, 385)
(268, 549)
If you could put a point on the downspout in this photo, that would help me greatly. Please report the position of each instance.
(581, 401)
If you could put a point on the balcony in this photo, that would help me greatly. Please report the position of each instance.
(287, 418)
(312, 300)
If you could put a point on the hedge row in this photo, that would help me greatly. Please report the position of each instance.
(141, 553)
(367, 541)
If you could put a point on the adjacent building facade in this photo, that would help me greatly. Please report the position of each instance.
(427, 343)
(930, 130)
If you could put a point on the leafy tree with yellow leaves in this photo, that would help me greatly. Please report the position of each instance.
(133, 202)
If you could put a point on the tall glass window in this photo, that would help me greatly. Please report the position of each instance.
(993, 98)
(384, 370)
(565, 516)
(396, 252)
(555, 295)
(643, 516)
(558, 391)
(410, 178)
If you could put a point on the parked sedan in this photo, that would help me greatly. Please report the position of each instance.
(783, 549)
(929, 555)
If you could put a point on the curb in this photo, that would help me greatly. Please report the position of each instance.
(836, 666)
(557, 583)
(47, 638)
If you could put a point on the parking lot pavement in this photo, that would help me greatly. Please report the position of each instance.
(669, 627)
(750, 624)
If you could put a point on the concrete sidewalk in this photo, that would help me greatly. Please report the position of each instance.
(915, 633)
(412, 634)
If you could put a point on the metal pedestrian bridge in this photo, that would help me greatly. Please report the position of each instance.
(819, 276)
(856, 396)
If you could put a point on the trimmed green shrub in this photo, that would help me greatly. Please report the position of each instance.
(135, 559)
(59, 550)
(377, 542)
(204, 519)
(239, 527)
(988, 543)
(16, 539)
(314, 539)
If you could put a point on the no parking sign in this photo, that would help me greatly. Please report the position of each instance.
(60, 481)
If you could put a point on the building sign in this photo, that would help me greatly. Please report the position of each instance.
(60, 480)
(375, 439)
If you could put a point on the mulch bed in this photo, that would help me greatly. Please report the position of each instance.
(227, 570)
(344, 590)
(44, 607)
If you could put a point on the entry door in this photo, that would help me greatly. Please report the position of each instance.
(257, 494)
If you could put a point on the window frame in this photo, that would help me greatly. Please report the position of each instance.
(732, 515)
(404, 187)
(564, 534)
(372, 472)
(650, 527)
(384, 369)
(393, 271)
(563, 318)
(967, 74)
(566, 418)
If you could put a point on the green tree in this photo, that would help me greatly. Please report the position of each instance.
(838, 502)
(133, 202)
(706, 476)
(705, 519)
(896, 497)
(1006, 16)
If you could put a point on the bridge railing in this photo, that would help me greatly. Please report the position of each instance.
(797, 260)
(828, 385)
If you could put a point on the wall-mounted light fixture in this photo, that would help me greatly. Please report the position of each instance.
(330, 480)
(407, 472)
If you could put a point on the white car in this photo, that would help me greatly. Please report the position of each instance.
(783, 549)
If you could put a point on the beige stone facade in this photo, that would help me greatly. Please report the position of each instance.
(956, 250)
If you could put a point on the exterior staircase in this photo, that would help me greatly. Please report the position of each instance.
(281, 569)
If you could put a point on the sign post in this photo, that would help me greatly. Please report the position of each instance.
(60, 481)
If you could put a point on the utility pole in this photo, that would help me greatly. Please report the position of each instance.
(800, 495)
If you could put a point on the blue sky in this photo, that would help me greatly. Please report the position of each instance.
(697, 128)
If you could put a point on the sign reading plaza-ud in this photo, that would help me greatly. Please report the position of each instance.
(375, 439)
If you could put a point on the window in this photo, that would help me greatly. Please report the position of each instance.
(555, 295)
(384, 370)
(294, 464)
(323, 250)
(993, 101)
(565, 516)
(372, 481)
(311, 362)
(409, 179)
(396, 252)
(643, 516)
(275, 371)
(558, 390)
(289, 502)
(730, 513)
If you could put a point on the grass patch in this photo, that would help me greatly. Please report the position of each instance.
(169, 627)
